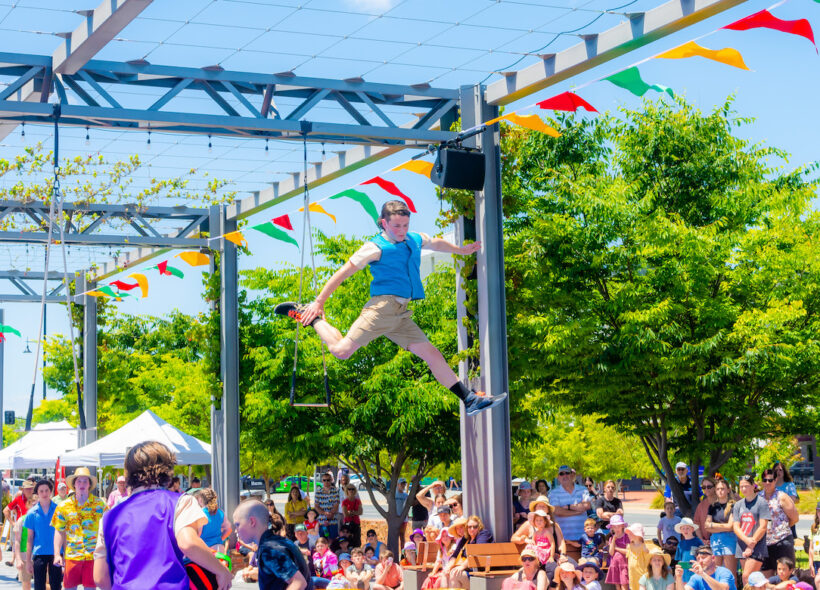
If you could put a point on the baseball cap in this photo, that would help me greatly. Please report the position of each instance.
(757, 579)
(62, 486)
(566, 468)
(121, 479)
(300, 527)
(344, 556)
(525, 485)
(681, 465)
(402, 480)
(444, 508)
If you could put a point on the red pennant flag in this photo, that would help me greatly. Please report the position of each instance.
(566, 101)
(284, 221)
(124, 286)
(764, 19)
(392, 189)
(163, 268)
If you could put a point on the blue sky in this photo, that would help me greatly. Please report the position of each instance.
(399, 41)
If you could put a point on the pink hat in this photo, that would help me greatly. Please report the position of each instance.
(636, 529)
(616, 520)
(121, 479)
(441, 533)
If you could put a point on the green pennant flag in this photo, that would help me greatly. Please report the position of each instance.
(630, 79)
(9, 330)
(274, 232)
(111, 293)
(363, 200)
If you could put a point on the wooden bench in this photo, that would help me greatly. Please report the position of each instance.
(415, 575)
(490, 563)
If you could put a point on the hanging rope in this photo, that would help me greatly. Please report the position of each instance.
(307, 237)
(56, 196)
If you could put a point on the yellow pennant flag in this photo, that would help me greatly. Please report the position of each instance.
(142, 281)
(317, 208)
(417, 166)
(236, 237)
(533, 122)
(727, 55)
(194, 258)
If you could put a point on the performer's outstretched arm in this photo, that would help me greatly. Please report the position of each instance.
(317, 307)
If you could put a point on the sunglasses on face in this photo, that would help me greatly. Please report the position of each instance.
(526, 559)
(564, 473)
(767, 480)
(707, 487)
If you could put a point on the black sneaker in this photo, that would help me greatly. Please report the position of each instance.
(478, 401)
(293, 310)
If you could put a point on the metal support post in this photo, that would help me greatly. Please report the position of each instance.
(217, 421)
(229, 354)
(89, 352)
(485, 439)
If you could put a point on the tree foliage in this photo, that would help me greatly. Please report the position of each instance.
(662, 275)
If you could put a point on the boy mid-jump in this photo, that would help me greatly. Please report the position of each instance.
(394, 257)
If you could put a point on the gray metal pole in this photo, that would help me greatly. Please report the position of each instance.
(45, 331)
(217, 422)
(229, 343)
(2, 413)
(485, 439)
(89, 360)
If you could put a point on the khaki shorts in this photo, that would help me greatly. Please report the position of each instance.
(384, 315)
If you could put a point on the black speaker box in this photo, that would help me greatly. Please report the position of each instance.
(459, 168)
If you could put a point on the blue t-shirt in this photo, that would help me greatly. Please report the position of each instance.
(685, 552)
(666, 528)
(279, 560)
(589, 546)
(721, 574)
(40, 524)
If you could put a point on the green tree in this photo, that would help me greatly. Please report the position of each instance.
(389, 416)
(662, 274)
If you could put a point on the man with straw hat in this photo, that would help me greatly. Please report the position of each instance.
(76, 523)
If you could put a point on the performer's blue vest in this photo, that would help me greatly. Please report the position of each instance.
(397, 271)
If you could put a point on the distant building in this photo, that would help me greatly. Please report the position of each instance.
(430, 259)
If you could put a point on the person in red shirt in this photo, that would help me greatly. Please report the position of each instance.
(20, 502)
(352, 510)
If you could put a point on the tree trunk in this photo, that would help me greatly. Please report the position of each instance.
(394, 522)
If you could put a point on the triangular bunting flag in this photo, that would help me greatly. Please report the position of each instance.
(317, 208)
(533, 122)
(566, 101)
(165, 269)
(764, 19)
(237, 238)
(107, 291)
(727, 55)
(142, 281)
(363, 200)
(420, 166)
(123, 286)
(392, 189)
(194, 258)
(630, 79)
(274, 232)
(284, 221)
(9, 330)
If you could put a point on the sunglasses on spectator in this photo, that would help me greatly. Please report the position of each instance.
(706, 487)
(564, 473)
(767, 480)
(527, 558)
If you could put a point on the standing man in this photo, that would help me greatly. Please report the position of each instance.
(195, 485)
(281, 564)
(76, 523)
(707, 574)
(394, 257)
(39, 552)
(20, 502)
(326, 503)
(401, 499)
(62, 492)
(119, 494)
(682, 475)
(571, 503)
(174, 487)
(343, 479)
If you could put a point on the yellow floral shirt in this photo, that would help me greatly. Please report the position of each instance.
(80, 525)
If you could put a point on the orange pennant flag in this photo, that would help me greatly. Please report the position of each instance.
(237, 238)
(533, 122)
(142, 281)
(194, 258)
(417, 166)
(727, 55)
(317, 208)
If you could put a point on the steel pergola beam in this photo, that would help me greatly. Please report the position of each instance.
(641, 29)
(101, 25)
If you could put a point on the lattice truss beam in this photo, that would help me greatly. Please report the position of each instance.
(110, 225)
(240, 103)
(27, 287)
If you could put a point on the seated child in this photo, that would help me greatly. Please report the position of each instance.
(785, 576)
(370, 556)
(590, 575)
(409, 553)
(359, 573)
(339, 579)
(388, 574)
(591, 541)
(312, 525)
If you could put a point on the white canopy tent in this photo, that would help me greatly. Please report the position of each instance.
(39, 448)
(111, 449)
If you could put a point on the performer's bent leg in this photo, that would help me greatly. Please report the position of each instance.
(339, 346)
